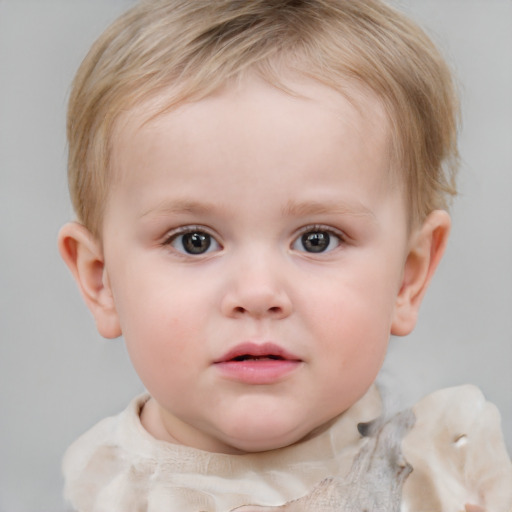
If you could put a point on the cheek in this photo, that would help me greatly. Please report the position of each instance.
(153, 345)
(352, 318)
(160, 327)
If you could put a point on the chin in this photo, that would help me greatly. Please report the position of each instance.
(262, 437)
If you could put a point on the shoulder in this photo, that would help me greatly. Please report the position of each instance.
(458, 454)
(97, 456)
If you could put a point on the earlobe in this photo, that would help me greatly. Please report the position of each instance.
(83, 254)
(425, 252)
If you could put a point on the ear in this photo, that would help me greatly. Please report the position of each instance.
(83, 254)
(427, 245)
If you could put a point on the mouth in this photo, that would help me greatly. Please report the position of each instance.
(252, 363)
(249, 357)
(257, 352)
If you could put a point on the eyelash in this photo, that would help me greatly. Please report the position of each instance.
(320, 228)
(319, 242)
(190, 230)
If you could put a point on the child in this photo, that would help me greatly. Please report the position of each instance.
(261, 191)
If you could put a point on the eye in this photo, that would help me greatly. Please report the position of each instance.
(317, 240)
(193, 242)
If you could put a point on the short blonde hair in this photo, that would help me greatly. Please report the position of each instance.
(197, 46)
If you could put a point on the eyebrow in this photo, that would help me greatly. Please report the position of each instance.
(179, 206)
(291, 209)
(298, 209)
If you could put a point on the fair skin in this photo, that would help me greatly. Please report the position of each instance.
(255, 255)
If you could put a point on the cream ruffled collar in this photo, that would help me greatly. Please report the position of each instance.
(118, 467)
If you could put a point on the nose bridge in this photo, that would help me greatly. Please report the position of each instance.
(257, 285)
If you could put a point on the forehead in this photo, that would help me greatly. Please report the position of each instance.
(253, 152)
(293, 99)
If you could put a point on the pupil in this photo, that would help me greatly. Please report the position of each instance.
(316, 241)
(196, 243)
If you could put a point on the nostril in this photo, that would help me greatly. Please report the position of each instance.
(274, 310)
(256, 302)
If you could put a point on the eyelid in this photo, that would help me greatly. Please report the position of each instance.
(321, 227)
(183, 230)
(172, 234)
(340, 235)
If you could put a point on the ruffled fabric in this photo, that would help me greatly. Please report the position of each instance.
(456, 449)
(458, 454)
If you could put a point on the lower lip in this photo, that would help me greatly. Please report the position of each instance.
(258, 371)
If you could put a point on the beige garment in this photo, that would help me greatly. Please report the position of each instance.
(456, 449)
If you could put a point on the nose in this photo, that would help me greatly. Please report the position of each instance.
(256, 289)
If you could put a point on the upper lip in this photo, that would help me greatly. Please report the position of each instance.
(256, 350)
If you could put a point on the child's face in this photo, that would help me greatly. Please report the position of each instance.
(254, 245)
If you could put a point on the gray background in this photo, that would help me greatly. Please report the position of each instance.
(58, 377)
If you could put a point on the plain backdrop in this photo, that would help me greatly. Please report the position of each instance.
(58, 377)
